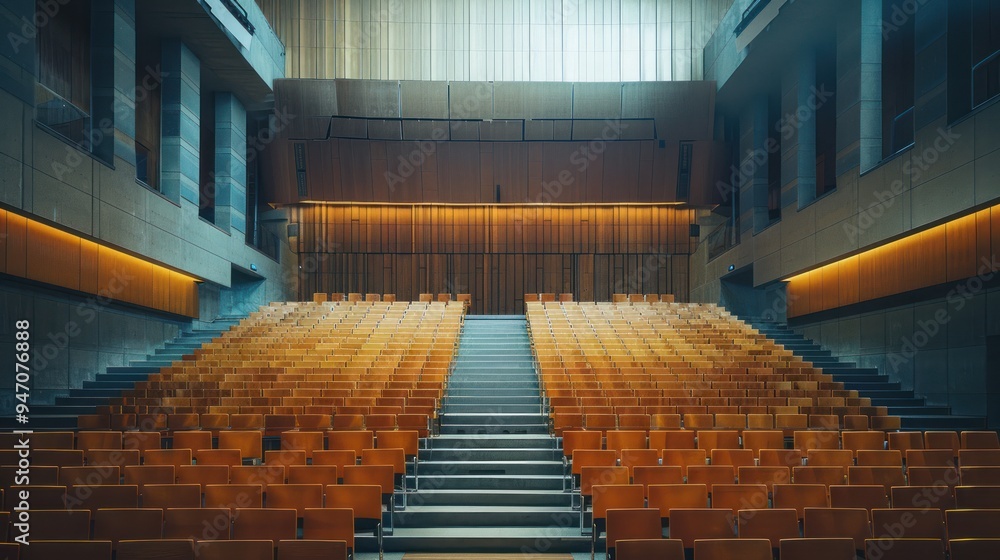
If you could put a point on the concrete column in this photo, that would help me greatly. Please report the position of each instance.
(180, 136)
(113, 80)
(230, 163)
(17, 74)
(805, 116)
(871, 84)
(761, 152)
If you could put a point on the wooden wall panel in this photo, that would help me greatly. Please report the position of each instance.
(68, 261)
(495, 252)
(950, 252)
(17, 245)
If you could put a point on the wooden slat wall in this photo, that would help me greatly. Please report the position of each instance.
(61, 259)
(496, 253)
(949, 252)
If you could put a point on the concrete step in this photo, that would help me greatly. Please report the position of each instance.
(490, 454)
(504, 429)
(499, 391)
(493, 441)
(518, 498)
(479, 516)
(486, 400)
(487, 419)
(551, 538)
(492, 409)
(490, 468)
(492, 482)
(931, 422)
(138, 368)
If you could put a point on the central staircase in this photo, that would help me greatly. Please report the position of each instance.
(492, 480)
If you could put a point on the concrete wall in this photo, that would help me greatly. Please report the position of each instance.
(45, 177)
(953, 168)
(945, 361)
(74, 337)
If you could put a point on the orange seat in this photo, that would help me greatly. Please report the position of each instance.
(718, 439)
(312, 549)
(711, 475)
(919, 523)
(313, 474)
(657, 474)
(264, 524)
(768, 476)
(665, 497)
(732, 549)
(886, 476)
(800, 496)
(200, 524)
(202, 474)
(672, 439)
(880, 458)
(643, 549)
(76, 549)
(930, 458)
(838, 522)
(285, 457)
(355, 440)
(243, 549)
(630, 523)
(734, 457)
(830, 457)
(942, 440)
(972, 523)
(617, 440)
(366, 503)
(233, 496)
(859, 496)
(175, 457)
(227, 457)
(612, 496)
(684, 458)
(89, 476)
(171, 495)
(756, 440)
(97, 497)
(59, 524)
(887, 548)
(295, 496)
(924, 497)
(780, 457)
(690, 525)
(116, 525)
(250, 443)
(329, 524)
(264, 475)
(735, 497)
(819, 475)
(974, 549)
(771, 524)
(817, 549)
(971, 439)
(196, 441)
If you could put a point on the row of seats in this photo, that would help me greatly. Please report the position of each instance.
(683, 355)
(286, 356)
(926, 447)
(240, 446)
(604, 419)
(177, 549)
(826, 534)
(353, 297)
(416, 417)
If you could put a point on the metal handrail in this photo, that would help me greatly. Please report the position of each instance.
(755, 8)
(976, 67)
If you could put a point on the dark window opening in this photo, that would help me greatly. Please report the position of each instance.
(148, 95)
(63, 92)
(826, 123)
(985, 51)
(898, 49)
(774, 155)
(206, 204)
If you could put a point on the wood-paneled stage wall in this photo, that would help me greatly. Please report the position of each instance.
(497, 253)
